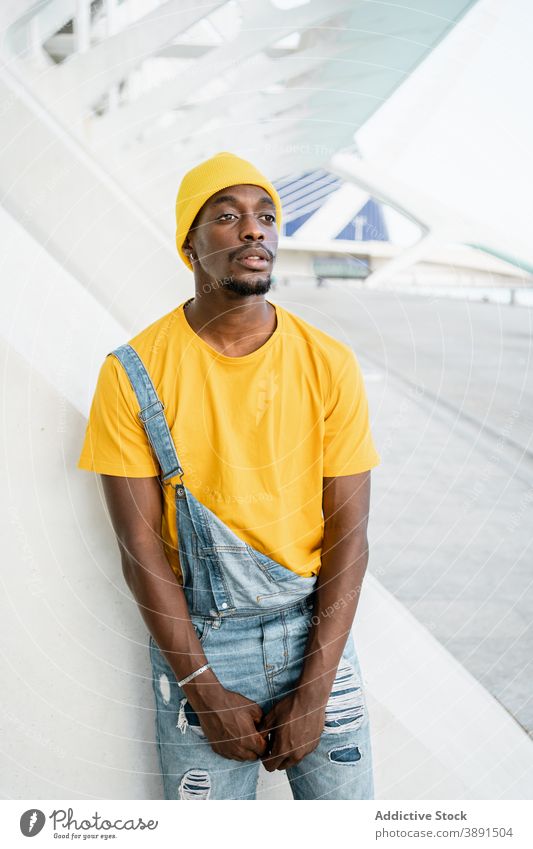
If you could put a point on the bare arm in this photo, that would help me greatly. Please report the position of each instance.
(298, 719)
(343, 565)
(136, 506)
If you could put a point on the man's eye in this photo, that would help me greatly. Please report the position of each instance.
(232, 214)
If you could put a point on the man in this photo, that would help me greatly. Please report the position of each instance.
(234, 446)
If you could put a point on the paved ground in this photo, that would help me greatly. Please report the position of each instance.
(450, 385)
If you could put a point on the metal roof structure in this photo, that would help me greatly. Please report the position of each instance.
(150, 87)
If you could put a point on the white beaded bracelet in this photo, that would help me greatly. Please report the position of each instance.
(194, 674)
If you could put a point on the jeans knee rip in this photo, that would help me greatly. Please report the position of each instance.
(195, 784)
(345, 755)
(188, 719)
(345, 710)
(164, 687)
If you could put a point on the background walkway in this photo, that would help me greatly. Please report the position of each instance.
(450, 385)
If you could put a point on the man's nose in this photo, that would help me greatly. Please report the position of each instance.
(251, 228)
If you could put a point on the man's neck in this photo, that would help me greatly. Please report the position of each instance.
(233, 326)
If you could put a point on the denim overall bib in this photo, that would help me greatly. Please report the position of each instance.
(252, 616)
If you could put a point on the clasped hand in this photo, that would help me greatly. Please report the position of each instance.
(236, 728)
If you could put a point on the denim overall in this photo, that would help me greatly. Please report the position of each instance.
(252, 616)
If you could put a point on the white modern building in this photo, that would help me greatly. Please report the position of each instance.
(399, 138)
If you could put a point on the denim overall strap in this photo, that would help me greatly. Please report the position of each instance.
(151, 412)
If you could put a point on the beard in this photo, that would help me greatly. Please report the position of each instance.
(241, 287)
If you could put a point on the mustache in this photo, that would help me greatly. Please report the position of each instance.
(241, 251)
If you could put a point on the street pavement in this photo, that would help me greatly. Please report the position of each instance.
(450, 388)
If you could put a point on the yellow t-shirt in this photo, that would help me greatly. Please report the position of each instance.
(255, 435)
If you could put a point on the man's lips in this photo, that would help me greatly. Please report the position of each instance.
(254, 262)
(255, 257)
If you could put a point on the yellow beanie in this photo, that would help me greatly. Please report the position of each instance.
(204, 180)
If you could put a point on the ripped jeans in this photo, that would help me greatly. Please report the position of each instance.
(261, 657)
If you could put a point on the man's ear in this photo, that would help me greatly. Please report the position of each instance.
(188, 249)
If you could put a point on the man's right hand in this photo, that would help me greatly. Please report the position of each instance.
(229, 720)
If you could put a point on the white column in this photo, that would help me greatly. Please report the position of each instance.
(82, 25)
(112, 26)
(403, 260)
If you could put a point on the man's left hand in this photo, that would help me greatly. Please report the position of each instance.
(295, 729)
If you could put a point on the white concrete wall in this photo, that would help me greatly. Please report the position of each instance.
(81, 216)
